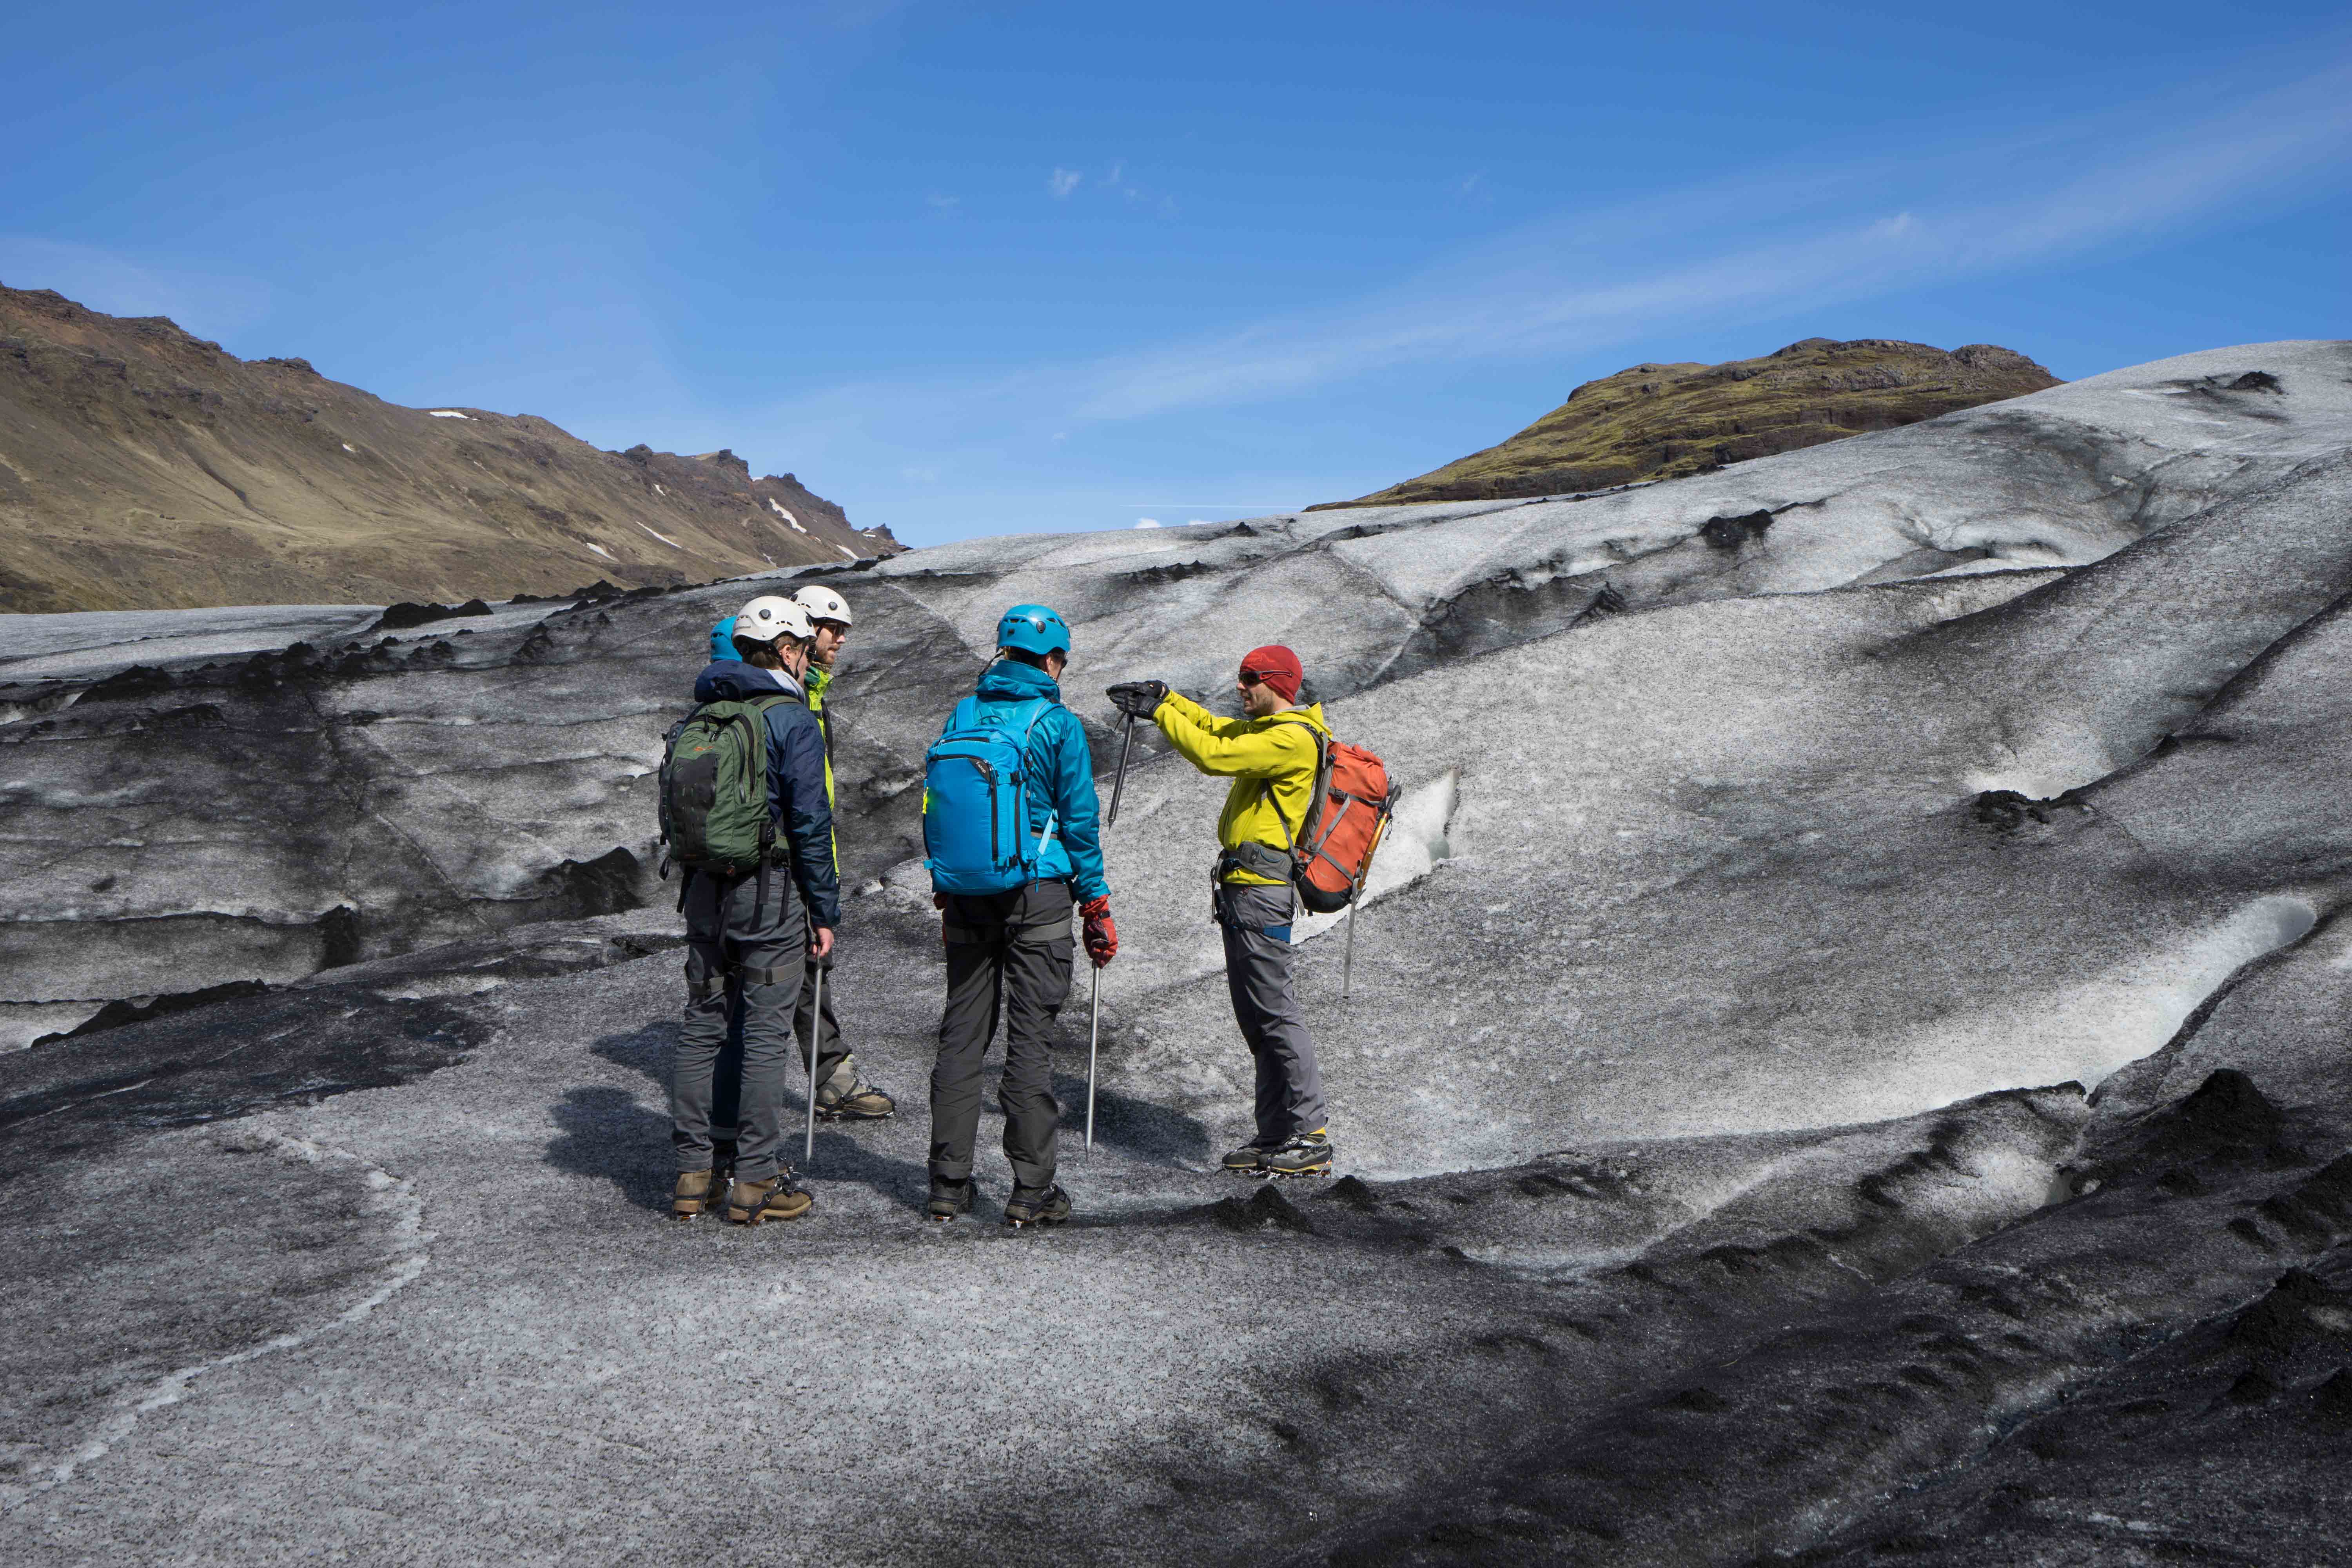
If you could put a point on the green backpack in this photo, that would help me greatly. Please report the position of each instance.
(714, 789)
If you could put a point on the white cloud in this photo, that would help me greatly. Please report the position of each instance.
(1759, 244)
(1795, 242)
(1147, 522)
(1062, 182)
(944, 204)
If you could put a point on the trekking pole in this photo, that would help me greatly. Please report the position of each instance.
(1094, 1042)
(1348, 962)
(1118, 782)
(816, 1038)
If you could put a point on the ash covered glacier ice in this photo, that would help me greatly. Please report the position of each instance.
(1704, 1078)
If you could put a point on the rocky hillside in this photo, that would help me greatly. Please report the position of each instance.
(144, 467)
(1662, 421)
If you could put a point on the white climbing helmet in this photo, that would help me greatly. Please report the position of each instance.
(768, 617)
(823, 604)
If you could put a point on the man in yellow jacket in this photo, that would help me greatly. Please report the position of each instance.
(1273, 756)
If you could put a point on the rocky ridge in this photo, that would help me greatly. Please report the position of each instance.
(142, 467)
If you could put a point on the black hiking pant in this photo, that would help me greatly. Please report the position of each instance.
(1009, 956)
(742, 951)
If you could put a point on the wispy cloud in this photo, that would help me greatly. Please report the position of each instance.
(943, 205)
(1762, 244)
(1063, 183)
(1795, 240)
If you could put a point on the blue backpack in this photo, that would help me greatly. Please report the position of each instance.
(976, 785)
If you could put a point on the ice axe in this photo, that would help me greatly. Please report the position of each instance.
(1093, 1035)
(1118, 780)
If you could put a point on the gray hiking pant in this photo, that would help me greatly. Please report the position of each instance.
(1009, 955)
(739, 951)
(1256, 922)
(837, 1070)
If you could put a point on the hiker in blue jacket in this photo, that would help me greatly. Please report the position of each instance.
(747, 934)
(1009, 953)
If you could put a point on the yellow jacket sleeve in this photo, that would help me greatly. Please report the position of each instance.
(1239, 748)
(1272, 762)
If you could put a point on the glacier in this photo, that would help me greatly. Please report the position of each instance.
(1848, 1025)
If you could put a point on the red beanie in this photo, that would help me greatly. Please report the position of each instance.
(1278, 666)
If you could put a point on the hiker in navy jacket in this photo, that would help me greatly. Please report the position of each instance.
(748, 936)
(1009, 953)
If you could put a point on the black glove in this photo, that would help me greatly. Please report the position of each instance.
(1138, 699)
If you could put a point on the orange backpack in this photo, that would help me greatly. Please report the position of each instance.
(1331, 856)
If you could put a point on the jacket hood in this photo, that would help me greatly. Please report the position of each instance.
(1009, 680)
(732, 680)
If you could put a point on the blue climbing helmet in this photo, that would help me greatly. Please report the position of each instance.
(1034, 628)
(722, 639)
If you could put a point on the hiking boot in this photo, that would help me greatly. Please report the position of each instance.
(862, 1103)
(949, 1199)
(1249, 1160)
(778, 1197)
(696, 1194)
(1036, 1205)
(1305, 1155)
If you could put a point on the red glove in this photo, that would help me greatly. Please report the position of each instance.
(1102, 937)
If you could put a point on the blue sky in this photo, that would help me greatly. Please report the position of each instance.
(974, 268)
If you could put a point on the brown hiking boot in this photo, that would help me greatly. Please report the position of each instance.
(1036, 1205)
(696, 1194)
(778, 1197)
(862, 1103)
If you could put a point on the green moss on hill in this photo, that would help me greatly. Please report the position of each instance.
(1662, 421)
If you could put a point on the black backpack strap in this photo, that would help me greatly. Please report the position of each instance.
(1314, 777)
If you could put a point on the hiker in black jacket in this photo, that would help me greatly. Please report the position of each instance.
(748, 935)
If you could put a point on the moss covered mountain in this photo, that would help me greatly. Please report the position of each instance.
(1662, 421)
(141, 466)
